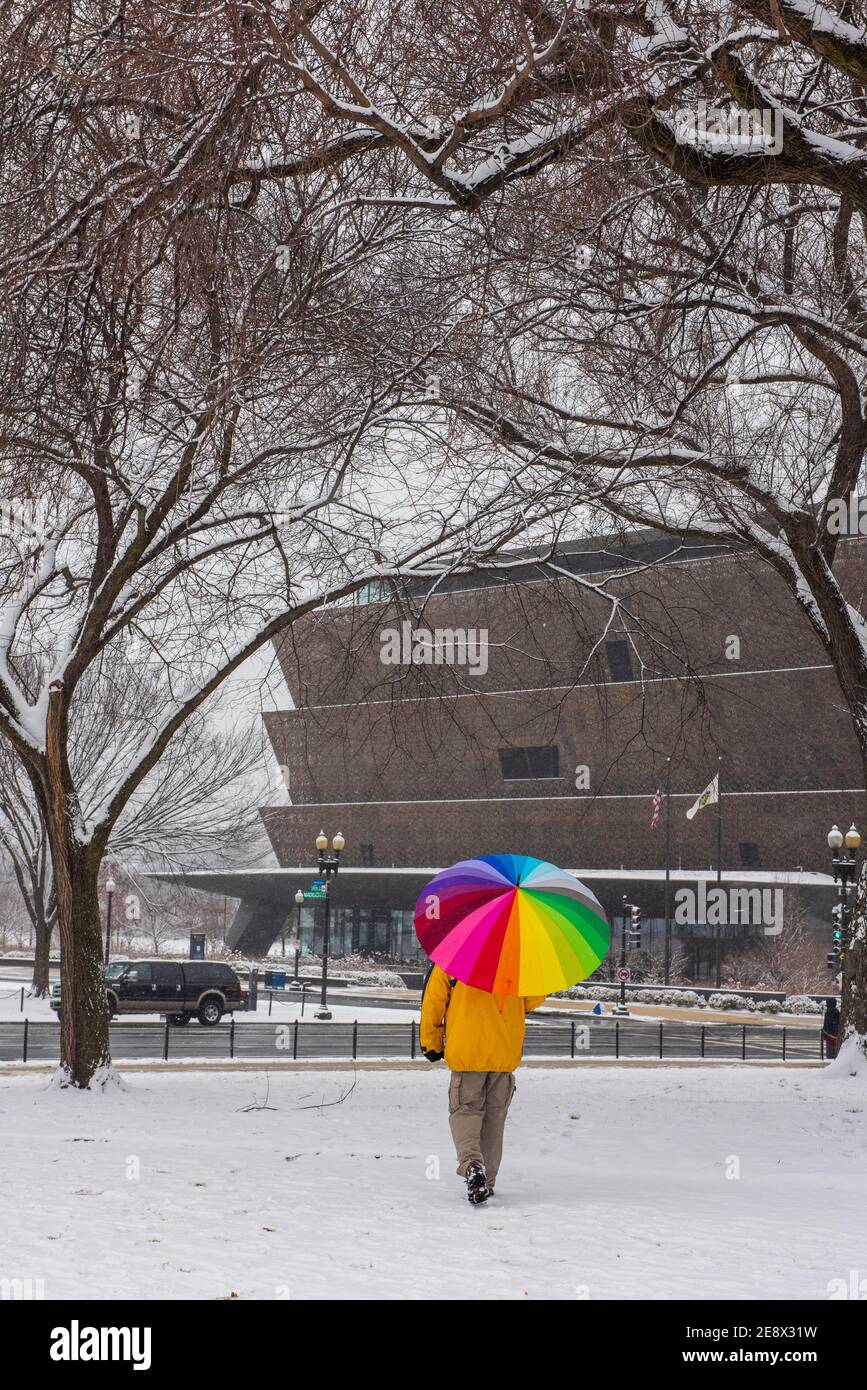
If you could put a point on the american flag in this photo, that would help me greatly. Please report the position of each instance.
(657, 802)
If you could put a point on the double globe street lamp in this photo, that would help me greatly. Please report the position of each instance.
(845, 869)
(328, 867)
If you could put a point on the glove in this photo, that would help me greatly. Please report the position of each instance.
(434, 1056)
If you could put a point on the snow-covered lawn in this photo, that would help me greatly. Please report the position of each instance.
(617, 1183)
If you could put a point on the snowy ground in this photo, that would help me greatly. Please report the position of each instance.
(617, 1183)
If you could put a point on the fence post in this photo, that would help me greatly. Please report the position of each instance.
(573, 1039)
(26, 1026)
(21, 1001)
(703, 1026)
(355, 1040)
(412, 1038)
(232, 1036)
(166, 1043)
(744, 1044)
(660, 1040)
(616, 1038)
(270, 1001)
(784, 1042)
(295, 1042)
(821, 1046)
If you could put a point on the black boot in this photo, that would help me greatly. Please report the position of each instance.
(477, 1184)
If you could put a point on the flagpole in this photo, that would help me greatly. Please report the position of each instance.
(719, 870)
(667, 952)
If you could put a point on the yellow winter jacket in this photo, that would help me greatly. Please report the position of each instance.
(483, 1032)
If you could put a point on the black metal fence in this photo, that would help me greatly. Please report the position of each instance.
(613, 1038)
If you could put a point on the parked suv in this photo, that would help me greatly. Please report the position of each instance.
(179, 989)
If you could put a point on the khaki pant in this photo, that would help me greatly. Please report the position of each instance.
(478, 1104)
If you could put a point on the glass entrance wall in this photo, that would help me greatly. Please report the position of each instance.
(385, 935)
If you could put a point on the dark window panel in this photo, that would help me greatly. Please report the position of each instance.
(619, 661)
(520, 764)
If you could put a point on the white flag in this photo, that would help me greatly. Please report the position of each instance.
(707, 798)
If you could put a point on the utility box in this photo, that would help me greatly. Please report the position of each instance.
(197, 945)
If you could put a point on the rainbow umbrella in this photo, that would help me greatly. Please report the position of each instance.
(510, 924)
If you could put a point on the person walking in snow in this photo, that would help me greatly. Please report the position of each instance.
(481, 1037)
(831, 1027)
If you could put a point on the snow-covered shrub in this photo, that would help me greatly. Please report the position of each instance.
(382, 979)
(732, 1001)
(770, 1006)
(802, 1004)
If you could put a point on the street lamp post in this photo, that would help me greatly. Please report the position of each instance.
(109, 888)
(299, 903)
(845, 870)
(328, 867)
(630, 936)
(621, 1008)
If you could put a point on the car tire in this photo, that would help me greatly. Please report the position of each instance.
(210, 1012)
(111, 1005)
(179, 1020)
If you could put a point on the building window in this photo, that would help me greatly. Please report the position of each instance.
(619, 661)
(377, 591)
(750, 856)
(520, 764)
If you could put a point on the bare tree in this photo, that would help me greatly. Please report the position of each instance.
(202, 341)
(197, 806)
(721, 150)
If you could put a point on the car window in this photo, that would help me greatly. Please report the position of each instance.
(139, 974)
(203, 973)
(167, 975)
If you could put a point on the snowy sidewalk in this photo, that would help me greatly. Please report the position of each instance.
(390, 1064)
(617, 1183)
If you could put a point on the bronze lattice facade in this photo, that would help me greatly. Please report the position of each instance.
(550, 739)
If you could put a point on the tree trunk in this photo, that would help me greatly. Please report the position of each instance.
(43, 929)
(84, 1045)
(853, 1001)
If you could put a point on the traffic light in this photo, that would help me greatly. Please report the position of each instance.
(835, 955)
(634, 932)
